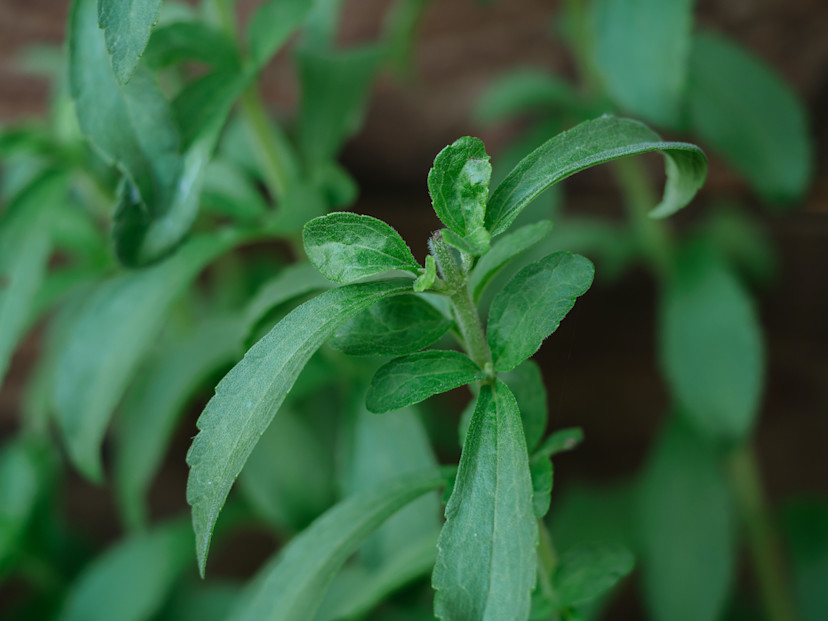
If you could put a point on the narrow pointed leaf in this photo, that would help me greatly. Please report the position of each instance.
(249, 396)
(414, 378)
(346, 246)
(272, 24)
(589, 144)
(531, 306)
(459, 185)
(486, 560)
(127, 25)
(304, 568)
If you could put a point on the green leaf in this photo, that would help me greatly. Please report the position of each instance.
(413, 378)
(305, 567)
(526, 383)
(586, 572)
(641, 52)
(25, 245)
(346, 246)
(132, 579)
(475, 244)
(427, 279)
(523, 92)
(806, 526)
(249, 396)
(229, 190)
(503, 251)
(540, 469)
(531, 306)
(190, 41)
(749, 115)
(271, 25)
(156, 401)
(486, 559)
(686, 530)
(711, 346)
(561, 441)
(459, 185)
(588, 144)
(127, 25)
(113, 331)
(395, 326)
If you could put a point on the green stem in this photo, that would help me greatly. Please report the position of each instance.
(762, 539)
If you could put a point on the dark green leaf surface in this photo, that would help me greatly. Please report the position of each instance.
(414, 378)
(531, 306)
(486, 560)
(346, 246)
(526, 383)
(25, 244)
(588, 144)
(641, 51)
(127, 25)
(503, 251)
(525, 92)
(249, 396)
(806, 525)
(748, 114)
(305, 567)
(132, 579)
(540, 468)
(586, 572)
(116, 326)
(395, 326)
(270, 26)
(190, 41)
(686, 530)
(711, 346)
(459, 185)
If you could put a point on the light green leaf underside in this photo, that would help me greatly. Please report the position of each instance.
(271, 25)
(641, 52)
(588, 144)
(131, 580)
(414, 378)
(114, 329)
(531, 306)
(486, 560)
(346, 246)
(249, 396)
(305, 567)
(748, 114)
(127, 25)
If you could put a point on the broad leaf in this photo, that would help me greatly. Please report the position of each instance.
(459, 185)
(526, 92)
(586, 572)
(346, 246)
(686, 530)
(156, 401)
(305, 567)
(503, 251)
(132, 579)
(249, 396)
(270, 26)
(190, 41)
(486, 560)
(642, 48)
(711, 346)
(588, 144)
(531, 306)
(526, 383)
(25, 244)
(748, 114)
(414, 378)
(127, 25)
(393, 327)
(806, 526)
(114, 329)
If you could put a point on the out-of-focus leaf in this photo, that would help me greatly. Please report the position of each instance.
(524, 92)
(127, 25)
(290, 283)
(270, 26)
(526, 383)
(210, 601)
(401, 28)
(191, 41)
(586, 572)
(749, 115)
(806, 526)
(744, 241)
(560, 441)
(231, 191)
(540, 467)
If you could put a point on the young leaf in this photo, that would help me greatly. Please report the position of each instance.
(305, 567)
(763, 132)
(540, 469)
(588, 144)
(475, 244)
(249, 396)
(586, 572)
(427, 279)
(503, 251)
(486, 559)
(110, 336)
(531, 306)
(641, 52)
(271, 25)
(132, 579)
(526, 383)
(686, 553)
(346, 246)
(395, 326)
(711, 346)
(560, 441)
(127, 25)
(414, 378)
(190, 41)
(524, 92)
(459, 185)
